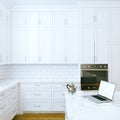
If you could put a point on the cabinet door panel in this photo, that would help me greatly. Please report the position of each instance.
(45, 19)
(32, 45)
(46, 45)
(32, 19)
(18, 19)
(59, 46)
(71, 45)
(71, 19)
(87, 15)
(115, 58)
(115, 24)
(102, 16)
(101, 44)
(87, 37)
(19, 45)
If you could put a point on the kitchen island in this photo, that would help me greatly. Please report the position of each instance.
(80, 108)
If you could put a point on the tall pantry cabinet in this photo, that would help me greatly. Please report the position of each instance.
(115, 45)
(5, 34)
(94, 33)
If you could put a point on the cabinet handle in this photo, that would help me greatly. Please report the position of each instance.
(37, 106)
(2, 108)
(95, 18)
(37, 94)
(2, 94)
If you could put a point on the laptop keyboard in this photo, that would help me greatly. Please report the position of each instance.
(100, 98)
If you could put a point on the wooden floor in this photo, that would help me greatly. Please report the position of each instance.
(43, 116)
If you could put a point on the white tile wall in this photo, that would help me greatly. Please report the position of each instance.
(45, 72)
(4, 71)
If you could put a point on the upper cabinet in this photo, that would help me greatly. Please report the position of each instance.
(49, 37)
(94, 33)
(61, 37)
(4, 34)
(115, 24)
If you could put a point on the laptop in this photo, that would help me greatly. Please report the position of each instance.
(105, 93)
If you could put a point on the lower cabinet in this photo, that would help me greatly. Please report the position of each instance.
(9, 103)
(43, 97)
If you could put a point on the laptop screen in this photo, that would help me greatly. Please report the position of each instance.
(106, 89)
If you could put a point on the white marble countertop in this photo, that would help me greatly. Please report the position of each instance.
(6, 84)
(80, 108)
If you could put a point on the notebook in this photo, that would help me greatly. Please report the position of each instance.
(105, 93)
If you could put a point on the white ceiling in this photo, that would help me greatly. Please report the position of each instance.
(37, 2)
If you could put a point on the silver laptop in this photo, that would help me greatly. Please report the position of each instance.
(105, 93)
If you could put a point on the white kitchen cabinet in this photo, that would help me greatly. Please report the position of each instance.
(46, 38)
(71, 37)
(102, 44)
(115, 24)
(86, 34)
(115, 66)
(9, 103)
(4, 33)
(94, 34)
(32, 45)
(46, 45)
(19, 42)
(42, 97)
(58, 37)
(36, 97)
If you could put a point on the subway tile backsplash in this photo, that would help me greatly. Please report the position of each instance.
(4, 72)
(45, 72)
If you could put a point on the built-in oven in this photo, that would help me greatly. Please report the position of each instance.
(92, 74)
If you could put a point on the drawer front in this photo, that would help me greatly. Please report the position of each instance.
(57, 95)
(59, 87)
(4, 94)
(37, 95)
(13, 111)
(4, 106)
(36, 86)
(58, 106)
(37, 106)
(14, 99)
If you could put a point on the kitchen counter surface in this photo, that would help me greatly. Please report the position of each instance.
(80, 108)
(6, 84)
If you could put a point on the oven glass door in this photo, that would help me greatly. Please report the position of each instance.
(98, 74)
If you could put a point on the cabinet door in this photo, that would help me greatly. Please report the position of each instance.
(101, 16)
(87, 16)
(59, 37)
(19, 19)
(32, 19)
(102, 44)
(72, 45)
(115, 24)
(46, 37)
(19, 45)
(115, 58)
(46, 45)
(87, 36)
(32, 45)
(71, 37)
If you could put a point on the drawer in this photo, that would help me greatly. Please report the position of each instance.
(13, 112)
(4, 106)
(59, 87)
(58, 106)
(58, 95)
(37, 106)
(36, 86)
(37, 94)
(13, 99)
(4, 94)
(6, 116)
